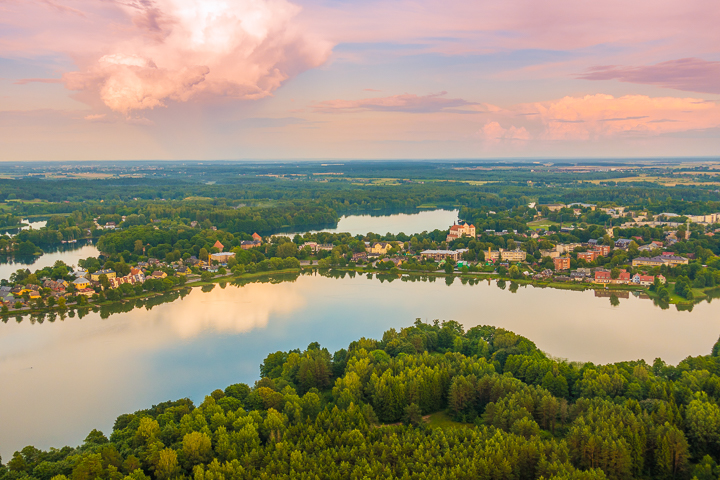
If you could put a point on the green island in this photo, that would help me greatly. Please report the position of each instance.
(428, 401)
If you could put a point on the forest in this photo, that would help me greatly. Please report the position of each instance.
(429, 401)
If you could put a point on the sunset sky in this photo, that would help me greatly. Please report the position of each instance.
(313, 79)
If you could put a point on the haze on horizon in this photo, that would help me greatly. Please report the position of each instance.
(288, 79)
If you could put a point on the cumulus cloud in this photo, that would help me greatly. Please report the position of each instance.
(412, 103)
(174, 50)
(688, 74)
(599, 116)
(493, 132)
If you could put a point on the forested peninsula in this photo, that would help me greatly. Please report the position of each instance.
(430, 401)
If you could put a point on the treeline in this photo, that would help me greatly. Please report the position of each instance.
(360, 413)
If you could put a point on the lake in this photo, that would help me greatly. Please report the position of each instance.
(68, 253)
(408, 223)
(61, 379)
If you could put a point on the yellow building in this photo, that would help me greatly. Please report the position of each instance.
(96, 276)
(507, 255)
(380, 248)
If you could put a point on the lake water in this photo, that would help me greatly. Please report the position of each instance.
(68, 253)
(408, 223)
(61, 379)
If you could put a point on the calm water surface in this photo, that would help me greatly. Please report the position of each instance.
(61, 379)
(408, 223)
(68, 253)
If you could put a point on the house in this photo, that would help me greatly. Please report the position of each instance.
(591, 206)
(248, 244)
(184, 271)
(647, 248)
(219, 245)
(623, 243)
(443, 254)
(592, 242)
(194, 224)
(457, 231)
(380, 248)
(256, 237)
(359, 256)
(562, 263)
(602, 276)
(603, 250)
(81, 282)
(110, 226)
(107, 272)
(553, 207)
(81, 272)
(643, 280)
(623, 277)
(158, 274)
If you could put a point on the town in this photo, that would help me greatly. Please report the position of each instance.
(653, 258)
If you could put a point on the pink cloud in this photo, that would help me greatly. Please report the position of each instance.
(486, 26)
(690, 74)
(140, 55)
(593, 117)
(493, 132)
(435, 102)
(25, 81)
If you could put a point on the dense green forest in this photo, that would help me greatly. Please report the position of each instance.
(430, 401)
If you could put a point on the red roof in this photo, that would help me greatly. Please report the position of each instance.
(602, 274)
(219, 245)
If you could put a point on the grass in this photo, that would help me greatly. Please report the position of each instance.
(443, 420)
(543, 223)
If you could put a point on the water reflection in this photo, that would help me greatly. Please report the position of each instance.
(394, 223)
(68, 253)
(79, 370)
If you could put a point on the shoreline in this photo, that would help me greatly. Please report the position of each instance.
(682, 304)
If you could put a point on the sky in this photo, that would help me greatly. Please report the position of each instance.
(348, 79)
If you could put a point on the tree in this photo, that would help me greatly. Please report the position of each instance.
(203, 255)
(449, 266)
(287, 249)
(413, 415)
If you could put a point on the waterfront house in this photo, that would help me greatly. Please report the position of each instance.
(602, 276)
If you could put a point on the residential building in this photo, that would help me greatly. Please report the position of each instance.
(670, 260)
(81, 282)
(107, 272)
(563, 248)
(222, 257)
(380, 248)
(603, 250)
(590, 256)
(562, 263)
(257, 237)
(553, 207)
(438, 255)
(623, 243)
(158, 274)
(602, 276)
(248, 244)
(644, 280)
(623, 277)
(549, 253)
(219, 245)
(516, 255)
(457, 231)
